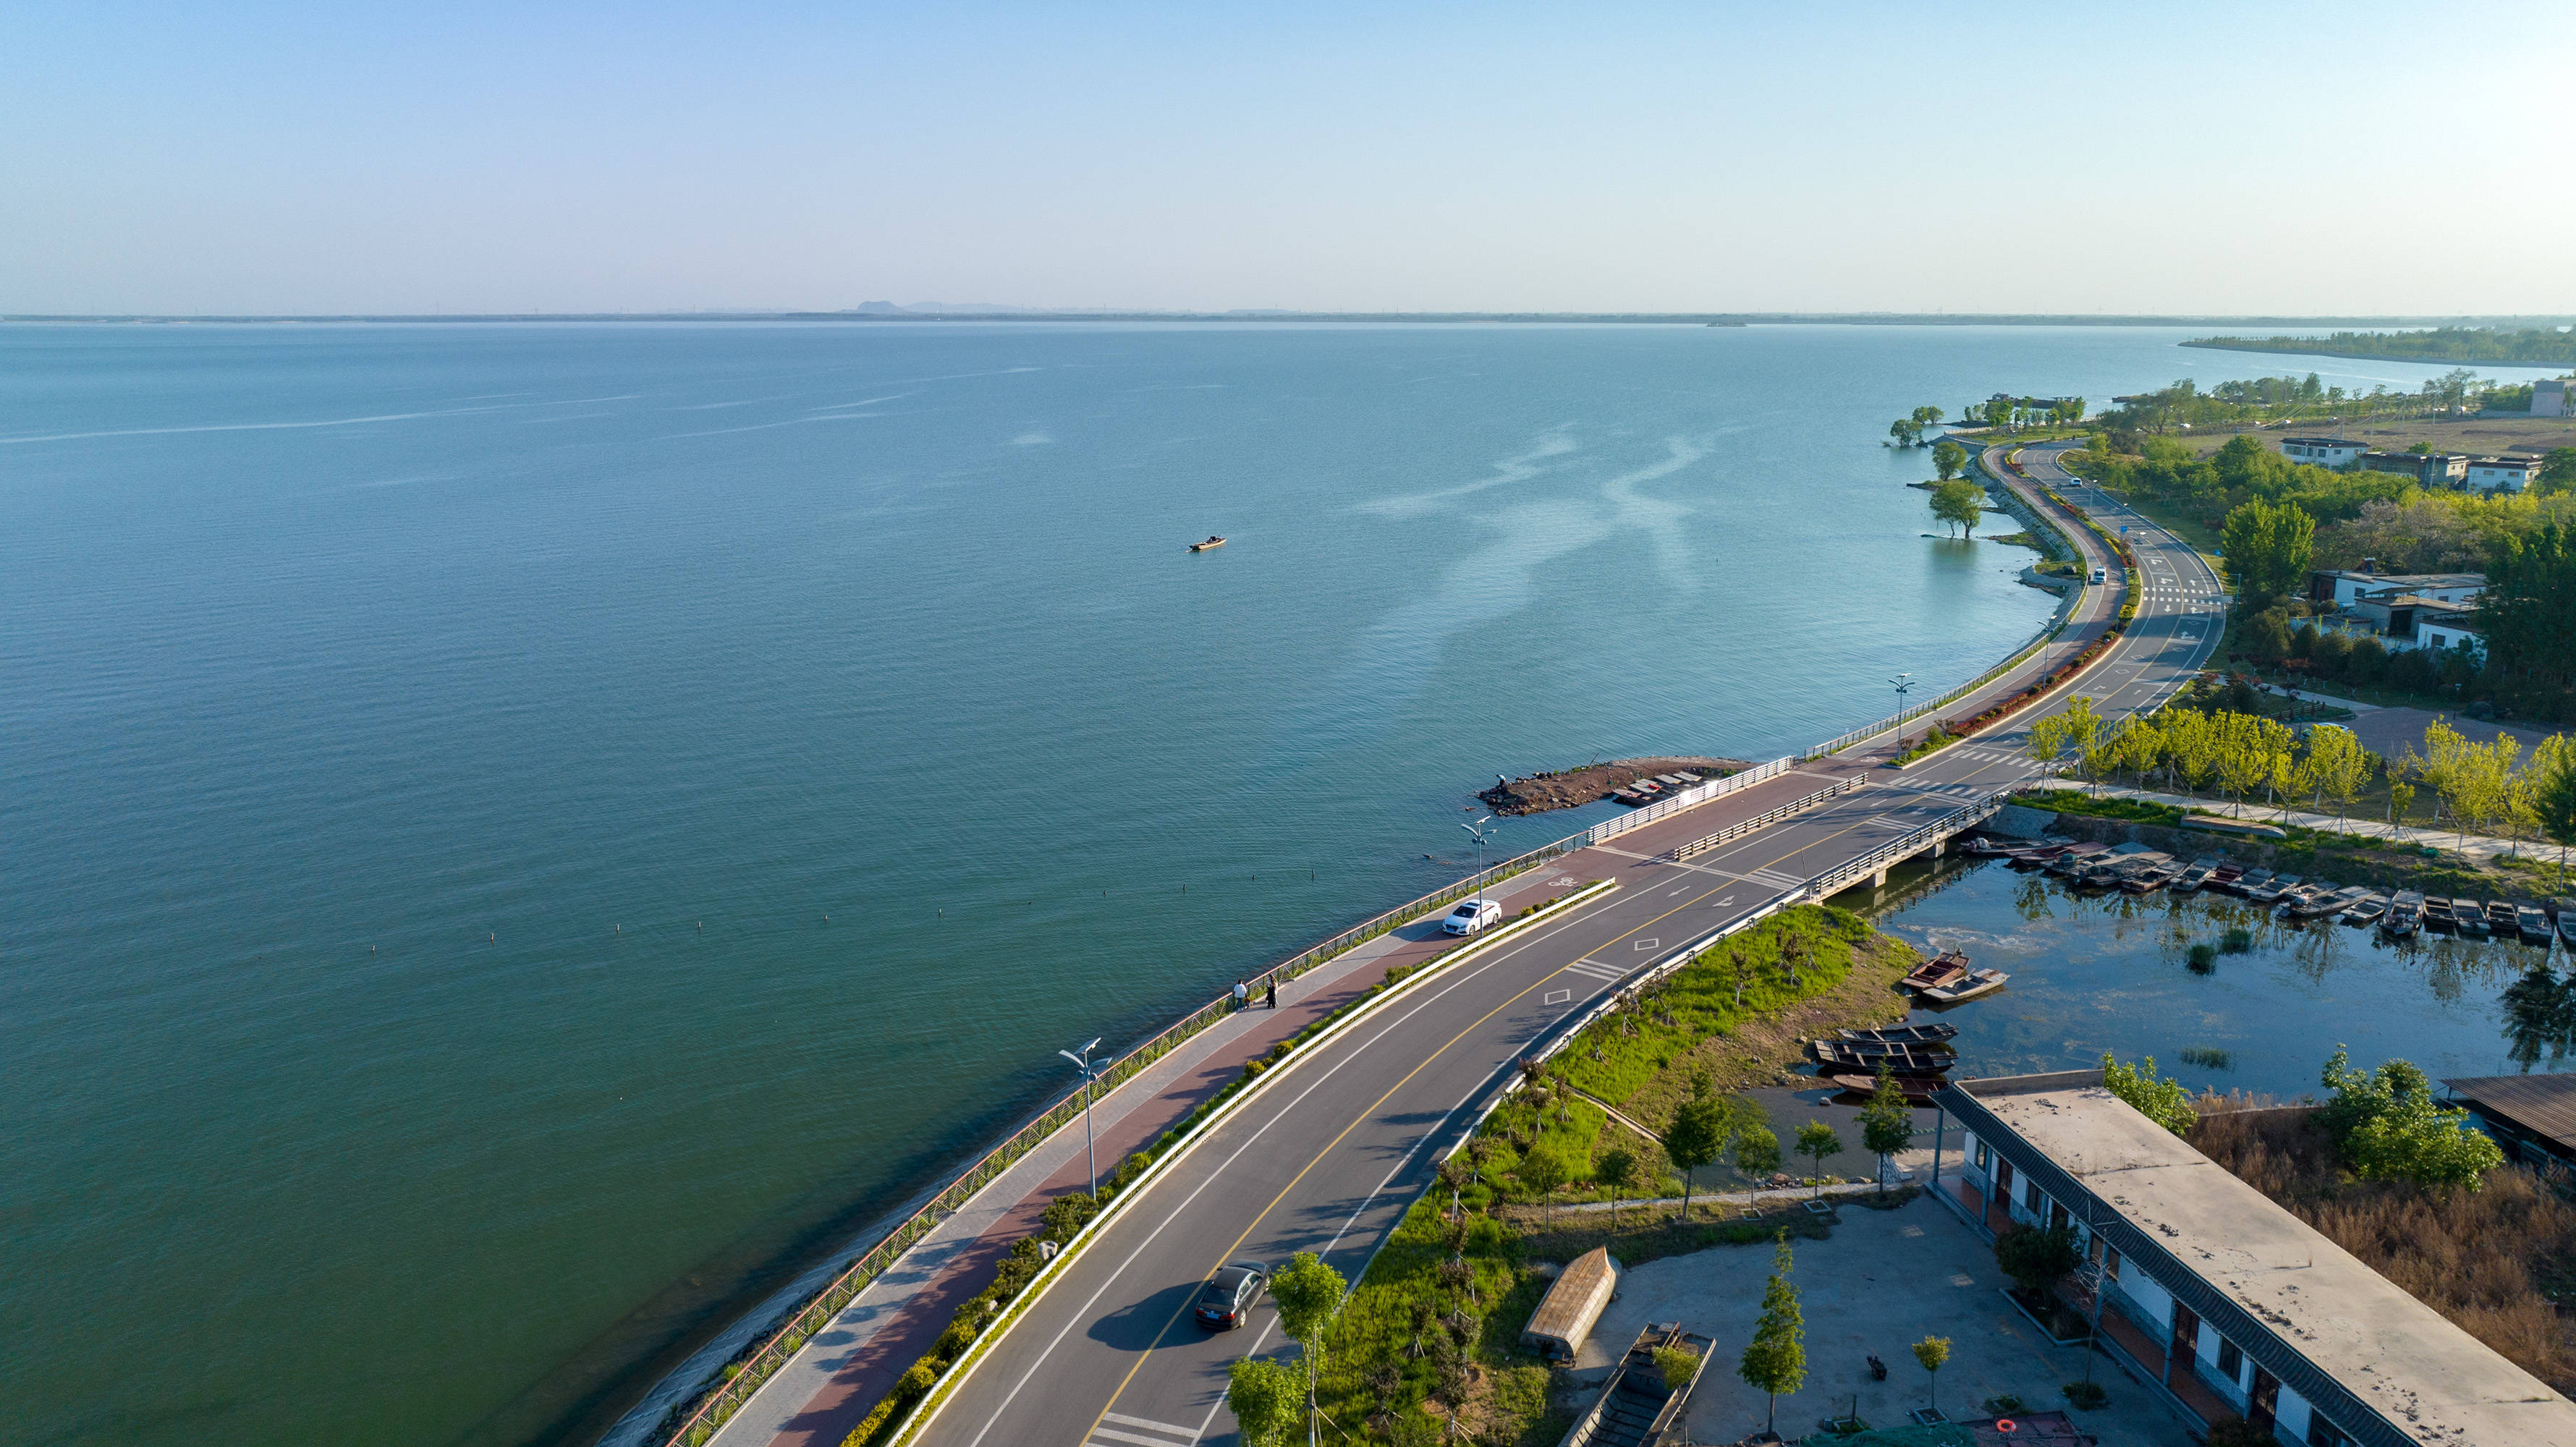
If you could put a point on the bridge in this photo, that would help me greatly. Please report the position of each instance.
(1329, 1154)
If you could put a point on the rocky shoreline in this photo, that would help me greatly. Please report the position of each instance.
(1573, 788)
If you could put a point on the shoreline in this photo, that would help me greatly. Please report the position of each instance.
(2549, 367)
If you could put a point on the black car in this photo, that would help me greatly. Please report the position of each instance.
(1226, 1301)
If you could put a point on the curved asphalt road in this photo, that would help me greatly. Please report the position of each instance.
(1329, 1154)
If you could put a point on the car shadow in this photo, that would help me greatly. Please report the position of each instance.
(1140, 1326)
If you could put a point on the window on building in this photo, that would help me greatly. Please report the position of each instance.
(2231, 1362)
(2031, 1198)
(1982, 1163)
(2322, 1433)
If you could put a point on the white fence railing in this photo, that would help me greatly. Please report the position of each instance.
(1691, 797)
(1742, 827)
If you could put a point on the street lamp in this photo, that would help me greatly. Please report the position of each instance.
(1090, 1069)
(1901, 683)
(1480, 835)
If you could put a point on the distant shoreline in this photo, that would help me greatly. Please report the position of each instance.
(1703, 319)
(2376, 356)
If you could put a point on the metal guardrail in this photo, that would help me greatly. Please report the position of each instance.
(1690, 798)
(1743, 827)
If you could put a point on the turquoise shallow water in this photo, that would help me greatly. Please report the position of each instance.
(433, 754)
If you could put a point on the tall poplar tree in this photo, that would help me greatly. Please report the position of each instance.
(1776, 1359)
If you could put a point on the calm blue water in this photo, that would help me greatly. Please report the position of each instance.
(514, 833)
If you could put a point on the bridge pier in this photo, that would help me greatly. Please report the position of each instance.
(1878, 880)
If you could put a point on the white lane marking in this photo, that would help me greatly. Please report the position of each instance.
(1083, 1315)
(1646, 944)
(1150, 1425)
(1132, 1437)
(1557, 997)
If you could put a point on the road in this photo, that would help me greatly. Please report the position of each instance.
(1329, 1155)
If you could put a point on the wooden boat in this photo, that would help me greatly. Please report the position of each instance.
(2248, 881)
(1630, 797)
(2369, 911)
(1941, 969)
(1213, 542)
(1978, 982)
(1897, 1059)
(1931, 1032)
(2567, 927)
(2081, 857)
(2271, 890)
(2532, 924)
(2196, 875)
(2149, 879)
(2405, 915)
(2037, 857)
(1981, 847)
(2437, 914)
(2224, 877)
(1916, 1089)
(2469, 917)
(2503, 921)
(2319, 904)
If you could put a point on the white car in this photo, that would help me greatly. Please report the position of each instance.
(1471, 916)
(2101, 575)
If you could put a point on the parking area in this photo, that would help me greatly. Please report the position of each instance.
(1885, 1280)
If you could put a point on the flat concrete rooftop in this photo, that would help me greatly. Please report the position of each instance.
(2407, 1361)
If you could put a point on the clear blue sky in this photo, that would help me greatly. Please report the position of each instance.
(2155, 157)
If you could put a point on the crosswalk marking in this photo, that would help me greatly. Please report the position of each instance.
(1117, 1436)
(1590, 970)
(1150, 1425)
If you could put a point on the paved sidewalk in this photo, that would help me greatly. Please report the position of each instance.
(829, 1387)
(2478, 846)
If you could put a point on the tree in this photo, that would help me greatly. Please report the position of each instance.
(1816, 1140)
(1543, 1170)
(2076, 729)
(1776, 1359)
(2268, 548)
(1676, 1365)
(2166, 1102)
(1886, 1124)
(1696, 1137)
(2336, 767)
(2036, 1256)
(1960, 504)
(1617, 1169)
(2390, 1129)
(1906, 431)
(1949, 458)
(1262, 1394)
(2553, 794)
(1757, 1150)
(1933, 1352)
(1925, 417)
(1308, 1292)
(2558, 470)
(2400, 795)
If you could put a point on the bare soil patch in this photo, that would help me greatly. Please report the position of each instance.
(1571, 788)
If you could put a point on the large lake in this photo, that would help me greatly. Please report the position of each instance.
(519, 836)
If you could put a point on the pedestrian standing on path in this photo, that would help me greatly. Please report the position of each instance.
(1270, 996)
(1242, 994)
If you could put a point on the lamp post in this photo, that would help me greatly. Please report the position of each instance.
(1480, 834)
(1901, 683)
(1090, 1069)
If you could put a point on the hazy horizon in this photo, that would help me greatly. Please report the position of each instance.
(294, 159)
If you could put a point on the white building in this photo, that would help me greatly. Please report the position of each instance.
(2450, 628)
(2322, 451)
(2503, 474)
(2344, 587)
(2217, 1301)
(2549, 398)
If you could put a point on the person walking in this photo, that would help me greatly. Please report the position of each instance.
(1242, 994)
(1270, 996)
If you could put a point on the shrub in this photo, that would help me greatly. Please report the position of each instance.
(2035, 1256)
(2236, 941)
(2202, 958)
(1675, 1365)
(2085, 1396)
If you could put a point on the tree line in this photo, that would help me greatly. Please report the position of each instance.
(2534, 346)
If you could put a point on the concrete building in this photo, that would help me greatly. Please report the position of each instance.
(2502, 474)
(2322, 451)
(2214, 1298)
(2343, 587)
(2446, 625)
(2532, 1116)
(2429, 469)
(2550, 399)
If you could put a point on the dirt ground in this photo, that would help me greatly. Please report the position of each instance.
(1569, 788)
(2480, 437)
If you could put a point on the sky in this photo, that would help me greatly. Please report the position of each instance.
(2163, 158)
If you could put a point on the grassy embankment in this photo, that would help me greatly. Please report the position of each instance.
(1433, 1328)
(2497, 1260)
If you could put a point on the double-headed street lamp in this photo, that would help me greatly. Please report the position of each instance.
(1480, 834)
(1901, 683)
(1090, 1069)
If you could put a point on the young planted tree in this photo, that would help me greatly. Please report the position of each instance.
(1776, 1359)
(2553, 795)
(2036, 1256)
(1757, 1150)
(1696, 1137)
(1816, 1140)
(1543, 1170)
(1262, 1394)
(2336, 767)
(1308, 1292)
(2074, 730)
(1948, 458)
(1617, 1169)
(2401, 795)
(1960, 504)
(1933, 1352)
(1886, 1124)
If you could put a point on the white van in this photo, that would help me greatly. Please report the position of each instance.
(2101, 575)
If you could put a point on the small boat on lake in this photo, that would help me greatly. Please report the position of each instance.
(1897, 1060)
(2271, 890)
(2532, 924)
(2225, 876)
(1212, 543)
(1981, 847)
(1931, 1032)
(2079, 858)
(2437, 914)
(2405, 915)
(1916, 1089)
(2470, 918)
(2369, 911)
(1978, 982)
(2195, 876)
(2567, 922)
(1941, 969)
(2248, 881)
(2503, 921)
(2037, 857)
(2149, 879)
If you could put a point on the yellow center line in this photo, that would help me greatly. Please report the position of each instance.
(1355, 1124)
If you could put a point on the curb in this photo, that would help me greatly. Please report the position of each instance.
(947, 1391)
